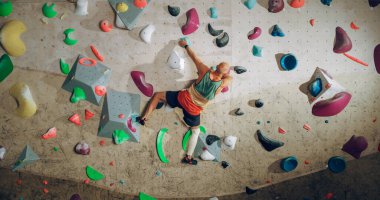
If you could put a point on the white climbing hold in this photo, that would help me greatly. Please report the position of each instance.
(146, 33)
(119, 23)
(81, 8)
(175, 61)
(230, 141)
(213, 198)
(2, 152)
(206, 155)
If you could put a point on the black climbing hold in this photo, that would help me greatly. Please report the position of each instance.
(268, 144)
(239, 112)
(250, 191)
(174, 11)
(75, 197)
(214, 32)
(223, 40)
(240, 69)
(225, 164)
(159, 105)
(211, 139)
(259, 103)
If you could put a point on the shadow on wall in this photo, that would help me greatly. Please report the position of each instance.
(275, 167)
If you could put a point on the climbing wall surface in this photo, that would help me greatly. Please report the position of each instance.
(285, 105)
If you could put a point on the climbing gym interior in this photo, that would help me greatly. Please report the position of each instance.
(293, 90)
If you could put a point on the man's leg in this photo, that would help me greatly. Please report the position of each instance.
(193, 141)
(157, 97)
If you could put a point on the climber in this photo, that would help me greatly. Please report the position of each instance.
(194, 99)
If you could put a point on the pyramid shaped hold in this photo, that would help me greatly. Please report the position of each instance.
(250, 4)
(277, 32)
(75, 119)
(297, 3)
(119, 136)
(355, 146)
(77, 95)
(88, 114)
(275, 6)
(214, 149)
(342, 42)
(26, 157)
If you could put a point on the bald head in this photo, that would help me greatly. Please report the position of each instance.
(223, 68)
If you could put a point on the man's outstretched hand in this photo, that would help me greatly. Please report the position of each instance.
(182, 43)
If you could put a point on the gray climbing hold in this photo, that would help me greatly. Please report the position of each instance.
(158, 173)
(239, 112)
(214, 32)
(214, 149)
(174, 11)
(268, 143)
(259, 103)
(223, 40)
(240, 69)
(211, 139)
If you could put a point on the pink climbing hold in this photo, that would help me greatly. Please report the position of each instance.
(121, 116)
(139, 79)
(129, 123)
(355, 146)
(307, 127)
(51, 133)
(75, 119)
(88, 114)
(255, 33)
(100, 90)
(281, 131)
(225, 89)
(333, 106)
(376, 57)
(312, 21)
(86, 181)
(192, 23)
(342, 42)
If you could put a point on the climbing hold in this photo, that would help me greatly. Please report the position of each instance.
(230, 141)
(355, 146)
(49, 11)
(257, 51)
(121, 116)
(96, 53)
(140, 3)
(160, 150)
(26, 105)
(329, 195)
(88, 114)
(214, 32)
(306, 162)
(82, 148)
(288, 62)
(336, 164)
(45, 190)
(239, 112)
(192, 23)
(146, 33)
(2, 152)
(77, 95)
(100, 90)
(174, 11)
(353, 26)
(213, 13)
(259, 103)
(332, 106)
(225, 164)
(129, 124)
(187, 40)
(55, 149)
(207, 156)
(143, 196)
(297, 3)
(326, 121)
(254, 33)
(105, 25)
(119, 136)
(275, 6)
(315, 87)
(158, 173)
(67, 39)
(93, 174)
(281, 131)
(81, 8)
(356, 59)
(373, 3)
(160, 105)
(211, 139)
(289, 164)
(88, 62)
(75, 197)
(65, 68)
(277, 32)
(10, 38)
(139, 79)
(75, 119)
(121, 7)
(312, 22)
(51, 133)
(223, 40)
(6, 67)
(376, 58)
(268, 143)
(250, 191)
(326, 2)
(307, 127)
(45, 182)
(187, 136)
(175, 61)
(240, 69)
(5, 8)
(250, 4)
(342, 42)
(26, 157)
(18, 181)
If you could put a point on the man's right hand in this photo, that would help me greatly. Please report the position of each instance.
(182, 43)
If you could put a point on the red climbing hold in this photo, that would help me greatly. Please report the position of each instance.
(88, 114)
(105, 25)
(281, 131)
(307, 127)
(96, 53)
(374, 120)
(353, 26)
(86, 181)
(51, 133)
(102, 142)
(45, 182)
(111, 163)
(306, 162)
(46, 190)
(329, 195)
(140, 3)
(100, 90)
(75, 119)
(312, 22)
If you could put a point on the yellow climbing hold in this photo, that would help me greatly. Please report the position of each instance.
(26, 105)
(121, 7)
(10, 38)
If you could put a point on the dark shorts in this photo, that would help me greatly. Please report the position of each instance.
(172, 100)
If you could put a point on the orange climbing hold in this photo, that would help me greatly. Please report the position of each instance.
(75, 119)
(96, 53)
(105, 25)
(312, 22)
(51, 133)
(356, 60)
(100, 90)
(102, 142)
(88, 114)
(307, 162)
(297, 3)
(140, 3)
(46, 190)
(353, 26)
(281, 131)
(307, 127)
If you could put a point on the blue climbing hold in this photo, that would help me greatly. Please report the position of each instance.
(289, 164)
(257, 51)
(187, 40)
(326, 2)
(337, 164)
(288, 62)
(277, 32)
(213, 13)
(250, 4)
(315, 87)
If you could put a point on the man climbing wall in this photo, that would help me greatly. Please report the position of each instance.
(194, 99)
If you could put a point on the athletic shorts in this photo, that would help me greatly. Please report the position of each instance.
(190, 120)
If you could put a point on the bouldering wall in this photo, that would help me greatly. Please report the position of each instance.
(137, 164)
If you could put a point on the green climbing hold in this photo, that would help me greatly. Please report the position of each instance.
(68, 40)
(160, 151)
(187, 135)
(65, 68)
(93, 174)
(55, 149)
(77, 95)
(143, 196)
(49, 11)
(5, 8)
(257, 51)
(119, 136)
(6, 66)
